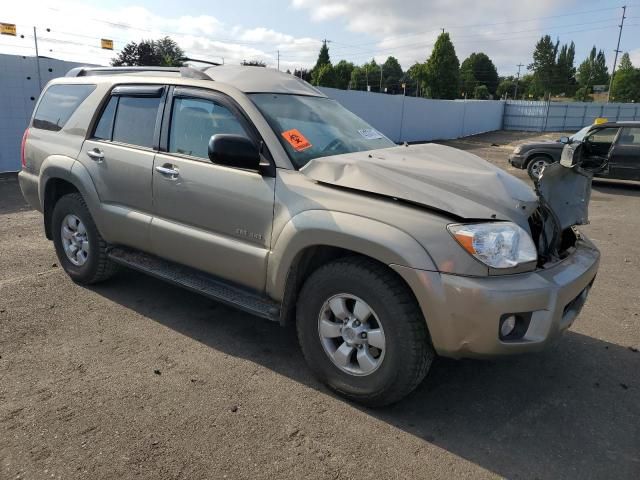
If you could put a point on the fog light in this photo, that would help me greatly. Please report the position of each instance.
(508, 324)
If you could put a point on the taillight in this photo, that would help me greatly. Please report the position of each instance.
(23, 159)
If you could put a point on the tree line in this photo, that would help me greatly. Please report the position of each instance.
(552, 73)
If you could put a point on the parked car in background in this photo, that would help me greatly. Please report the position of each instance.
(253, 188)
(616, 145)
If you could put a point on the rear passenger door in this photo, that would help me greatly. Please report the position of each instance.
(119, 156)
(625, 156)
(208, 216)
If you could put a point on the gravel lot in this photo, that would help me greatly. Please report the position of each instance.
(135, 378)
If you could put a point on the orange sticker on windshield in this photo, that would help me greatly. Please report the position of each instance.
(296, 140)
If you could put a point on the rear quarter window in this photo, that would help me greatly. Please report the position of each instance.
(58, 104)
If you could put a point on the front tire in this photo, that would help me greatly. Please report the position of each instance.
(535, 166)
(362, 332)
(80, 248)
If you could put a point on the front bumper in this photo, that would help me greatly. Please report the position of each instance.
(517, 160)
(463, 313)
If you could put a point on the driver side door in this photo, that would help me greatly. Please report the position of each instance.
(212, 217)
(599, 144)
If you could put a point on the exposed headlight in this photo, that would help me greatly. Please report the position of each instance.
(518, 149)
(496, 244)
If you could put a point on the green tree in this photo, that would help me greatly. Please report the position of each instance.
(544, 65)
(367, 74)
(442, 69)
(303, 73)
(626, 82)
(478, 69)
(583, 94)
(323, 76)
(164, 53)
(253, 63)
(565, 70)
(417, 75)
(507, 87)
(593, 70)
(170, 53)
(481, 92)
(323, 56)
(342, 71)
(392, 75)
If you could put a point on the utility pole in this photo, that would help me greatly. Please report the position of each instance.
(617, 50)
(35, 39)
(515, 96)
(366, 73)
(278, 60)
(380, 78)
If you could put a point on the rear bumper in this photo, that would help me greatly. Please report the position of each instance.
(517, 160)
(463, 313)
(29, 185)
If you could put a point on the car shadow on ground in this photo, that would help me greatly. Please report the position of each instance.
(616, 187)
(571, 411)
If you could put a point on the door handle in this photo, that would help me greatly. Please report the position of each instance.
(169, 171)
(96, 154)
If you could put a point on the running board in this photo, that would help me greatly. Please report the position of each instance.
(197, 281)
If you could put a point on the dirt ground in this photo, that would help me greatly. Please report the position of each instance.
(138, 379)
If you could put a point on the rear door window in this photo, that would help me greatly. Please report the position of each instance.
(135, 120)
(58, 104)
(630, 136)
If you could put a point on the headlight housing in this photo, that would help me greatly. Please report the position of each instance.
(496, 244)
(518, 149)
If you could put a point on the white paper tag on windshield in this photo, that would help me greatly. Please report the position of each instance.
(370, 133)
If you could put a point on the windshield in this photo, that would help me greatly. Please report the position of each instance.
(313, 127)
(579, 135)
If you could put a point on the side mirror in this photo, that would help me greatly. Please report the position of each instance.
(564, 140)
(234, 151)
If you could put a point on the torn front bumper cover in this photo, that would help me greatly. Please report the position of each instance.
(565, 188)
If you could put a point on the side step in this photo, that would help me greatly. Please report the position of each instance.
(197, 281)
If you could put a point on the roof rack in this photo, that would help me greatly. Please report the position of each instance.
(186, 72)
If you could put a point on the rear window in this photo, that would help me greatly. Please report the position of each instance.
(58, 104)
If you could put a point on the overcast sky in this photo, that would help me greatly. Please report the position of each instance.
(358, 30)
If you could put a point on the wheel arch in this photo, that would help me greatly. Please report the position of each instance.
(308, 241)
(60, 175)
(536, 154)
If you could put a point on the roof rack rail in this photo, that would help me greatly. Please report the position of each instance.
(186, 72)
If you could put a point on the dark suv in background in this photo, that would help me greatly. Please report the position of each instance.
(616, 145)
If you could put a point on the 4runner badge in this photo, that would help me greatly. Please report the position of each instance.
(245, 233)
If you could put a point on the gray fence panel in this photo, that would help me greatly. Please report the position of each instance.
(19, 91)
(411, 119)
(383, 112)
(567, 116)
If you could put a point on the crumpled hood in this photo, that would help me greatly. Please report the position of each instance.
(434, 176)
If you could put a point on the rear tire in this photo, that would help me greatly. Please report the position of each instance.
(377, 373)
(80, 248)
(535, 166)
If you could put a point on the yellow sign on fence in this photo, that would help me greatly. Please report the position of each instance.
(8, 29)
(106, 44)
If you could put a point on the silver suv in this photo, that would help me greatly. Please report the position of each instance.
(253, 188)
